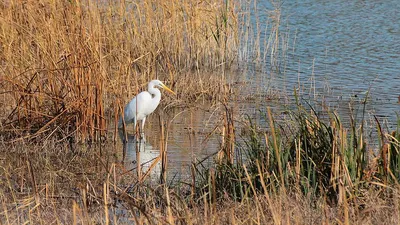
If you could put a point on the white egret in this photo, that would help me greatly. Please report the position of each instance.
(143, 104)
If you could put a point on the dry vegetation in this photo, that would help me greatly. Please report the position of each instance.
(67, 68)
(80, 184)
(65, 64)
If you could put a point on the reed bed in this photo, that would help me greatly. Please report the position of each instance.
(68, 65)
(305, 170)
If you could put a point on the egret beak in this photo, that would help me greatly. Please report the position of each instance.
(166, 88)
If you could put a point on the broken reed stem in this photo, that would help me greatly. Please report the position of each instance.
(169, 211)
(34, 187)
(117, 108)
(74, 212)
(138, 144)
(271, 206)
(85, 204)
(249, 180)
(228, 134)
(213, 197)
(5, 210)
(193, 186)
(345, 206)
(277, 150)
(151, 167)
(163, 151)
(105, 196)
(231, 132)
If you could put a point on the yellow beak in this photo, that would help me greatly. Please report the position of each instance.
(166, 88)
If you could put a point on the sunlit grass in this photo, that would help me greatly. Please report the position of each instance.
(67, 69)
(65, 64)
(57, 183)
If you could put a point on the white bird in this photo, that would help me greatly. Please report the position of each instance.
(143, 104)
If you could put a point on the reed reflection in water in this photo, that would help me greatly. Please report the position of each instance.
(141, 157)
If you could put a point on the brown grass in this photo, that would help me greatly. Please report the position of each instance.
(66, 187)
(67, 69)
(65, 64)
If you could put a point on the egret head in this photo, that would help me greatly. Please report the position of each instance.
(157, 83)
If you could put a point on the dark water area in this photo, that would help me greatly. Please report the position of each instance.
(342, 50)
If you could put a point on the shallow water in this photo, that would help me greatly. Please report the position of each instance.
(340, 53)
(188, 142)
(345, 49)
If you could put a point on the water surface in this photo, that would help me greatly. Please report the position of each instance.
(339, 54)
(344, 49)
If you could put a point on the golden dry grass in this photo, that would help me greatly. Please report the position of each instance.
(65, 64)
(68, 67)
(57, 186)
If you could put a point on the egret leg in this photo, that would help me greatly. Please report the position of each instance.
(134, 125)
(123, 135)
(142, 128)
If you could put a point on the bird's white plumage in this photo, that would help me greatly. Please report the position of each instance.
(139, 107)
(143, 104)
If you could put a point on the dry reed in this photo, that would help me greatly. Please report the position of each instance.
(65, 63)
(68, 67)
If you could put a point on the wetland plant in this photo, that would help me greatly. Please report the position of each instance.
(318, 157)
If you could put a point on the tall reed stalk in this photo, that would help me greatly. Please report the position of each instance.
(308, 154)
(65, 63)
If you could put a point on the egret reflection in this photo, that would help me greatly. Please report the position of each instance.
(140, 156)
